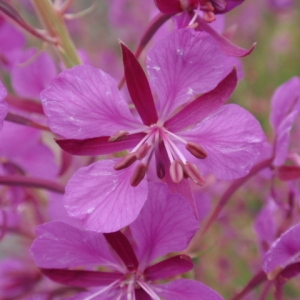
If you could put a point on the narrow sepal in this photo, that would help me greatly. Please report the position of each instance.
(173, 266)
(123, 248)
(168, 6)
(138, 87)
(204, 105)
(99, 145)
(81, 278)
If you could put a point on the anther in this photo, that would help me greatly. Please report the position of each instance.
(176, 171)
(127, 161)
(196, 150)
(121, 135)
(209, 16)
(142, 151)
(160, 169)
(194, 173)
(138, 175)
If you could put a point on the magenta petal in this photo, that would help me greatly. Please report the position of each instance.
(84, 102)
(181, 65)
(285, 251)
(99, 145)
(285, 100)
(168, 6)
(103, 198)
(232, 139)
(32, 73)
(138, 87)
(166, 223)
(204, 105)
(79, 278)
(227, 47)
(172, 266)
(59, 245)
(33, 157)
(265, 225)
(3, 104)
(283, 138)
(184, 289)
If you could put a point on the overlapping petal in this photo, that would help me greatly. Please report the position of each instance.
(3, 104)
(22, 146)
(285, 251)
(232, 138)
(182, 65)
(166, 223)
(184, 289)
(285, 100)
(103, 198)
(32, 73)
(84, 102)
(59, 245)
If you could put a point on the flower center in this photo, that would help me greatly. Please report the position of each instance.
(136, 280)
(158, 141)
(208, 8)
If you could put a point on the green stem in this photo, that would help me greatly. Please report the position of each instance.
(55, 26)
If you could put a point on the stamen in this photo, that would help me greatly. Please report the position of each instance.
(209, 16)
(196, 150)
(143, 151)
(102, 290)
(138, 175)
(121, 135)
(196, 13)
(194, 173)
(148, 289)
(176, 171)
(127, 161)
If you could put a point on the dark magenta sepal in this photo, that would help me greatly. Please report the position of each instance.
(123, 248)
(81, 278)
(286, 173)
(99, 145)
(173, 266)
(138, 87)
(169, 6)
(204, 105)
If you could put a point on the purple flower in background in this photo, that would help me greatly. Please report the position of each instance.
(11, 43)
(282, 261)
(32, 73)
(166, 223)
(208, 7)
(198, 13)
(3, 104)
(180, 135)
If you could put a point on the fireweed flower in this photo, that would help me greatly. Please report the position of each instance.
(198, 13)
(3, 104)
(209, 7)
(178, 134)
(166, 223)
(282, 261)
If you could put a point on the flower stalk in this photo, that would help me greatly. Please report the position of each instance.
(55, 26)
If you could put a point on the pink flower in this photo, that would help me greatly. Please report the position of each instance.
(209, 7)
(198, 13)
(3, 104)
(166, 223)
(282, 261)
(180, 135)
